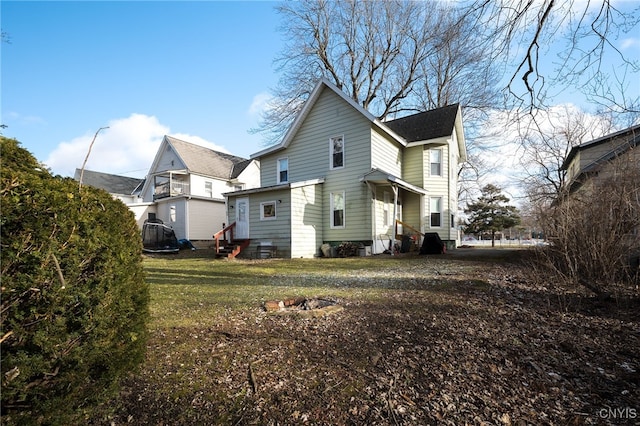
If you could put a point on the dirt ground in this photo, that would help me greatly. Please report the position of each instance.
(470, 339)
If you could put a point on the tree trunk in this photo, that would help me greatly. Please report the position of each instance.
(493, 238)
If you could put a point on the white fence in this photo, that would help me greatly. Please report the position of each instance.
(502, 243)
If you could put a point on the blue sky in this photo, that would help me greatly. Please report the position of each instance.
(194, 69)
(200, 71)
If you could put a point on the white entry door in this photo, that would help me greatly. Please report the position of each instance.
(242, 218)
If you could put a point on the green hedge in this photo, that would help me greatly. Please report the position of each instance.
(74, 300)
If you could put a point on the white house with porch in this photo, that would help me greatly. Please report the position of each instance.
(185, 184)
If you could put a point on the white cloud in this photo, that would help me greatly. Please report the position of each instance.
(260, 103)
(630, 43)
(127, 147)
(507, 156)
(20, 119)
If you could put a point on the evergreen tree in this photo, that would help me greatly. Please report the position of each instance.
(490, 213)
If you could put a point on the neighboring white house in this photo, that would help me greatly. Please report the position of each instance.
(341, 175)
(185, 184)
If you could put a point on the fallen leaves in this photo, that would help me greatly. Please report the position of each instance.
(457, 343)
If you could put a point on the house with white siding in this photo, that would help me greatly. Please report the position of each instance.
(342, 175)
(185, 183)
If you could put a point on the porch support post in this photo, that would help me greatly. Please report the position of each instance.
(395, 213)
(373, 216)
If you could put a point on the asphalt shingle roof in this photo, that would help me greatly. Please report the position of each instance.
(113, 184)
(207, 162)
(427, 125)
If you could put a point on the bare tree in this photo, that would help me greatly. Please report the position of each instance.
(546, 146)
(589, 30)
(390, 57)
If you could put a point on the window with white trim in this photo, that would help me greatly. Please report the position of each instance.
(283, 170)
(208, 189)
(337, 209)
(435, 160)
(386, 219)
(336, 148)
(435, 210)
(268, 210)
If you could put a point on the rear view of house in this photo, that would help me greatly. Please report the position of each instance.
(342, 175)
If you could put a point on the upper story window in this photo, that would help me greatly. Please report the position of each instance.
(208, 189)
(435, 160)
(283, 170)
(336, 147)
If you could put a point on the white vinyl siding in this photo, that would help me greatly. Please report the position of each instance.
(309, 155)
(205, 218)
(386, 154)
(198, 187)
(176, 208)
(306, 221)
(276, 231)
(309, 152)
(412, 167)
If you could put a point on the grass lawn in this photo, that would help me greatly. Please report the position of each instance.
(468, 337)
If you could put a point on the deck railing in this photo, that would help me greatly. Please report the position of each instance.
(222, 235)
(171, 189)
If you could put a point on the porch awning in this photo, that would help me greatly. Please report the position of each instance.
(380, 177)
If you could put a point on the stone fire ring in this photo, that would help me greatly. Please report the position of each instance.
(302, 306)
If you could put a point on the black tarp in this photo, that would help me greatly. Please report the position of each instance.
(432, 244)
(158, 237)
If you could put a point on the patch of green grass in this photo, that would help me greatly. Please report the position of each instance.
(191, 292)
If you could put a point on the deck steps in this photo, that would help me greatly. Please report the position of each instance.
(233, 249)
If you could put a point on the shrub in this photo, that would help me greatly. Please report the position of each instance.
(74, 300)
(595, 231)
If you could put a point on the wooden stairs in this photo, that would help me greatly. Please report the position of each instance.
(229, 247)
(232, 249)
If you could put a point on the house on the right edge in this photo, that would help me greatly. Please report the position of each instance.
(601, 158)
(342, 175)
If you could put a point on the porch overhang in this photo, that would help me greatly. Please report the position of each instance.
(379, 177)
(291, 185)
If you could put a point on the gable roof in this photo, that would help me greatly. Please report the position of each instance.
(113, 184)
(632, 133)
(407, 130)
(207, 162)
(423, 126)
